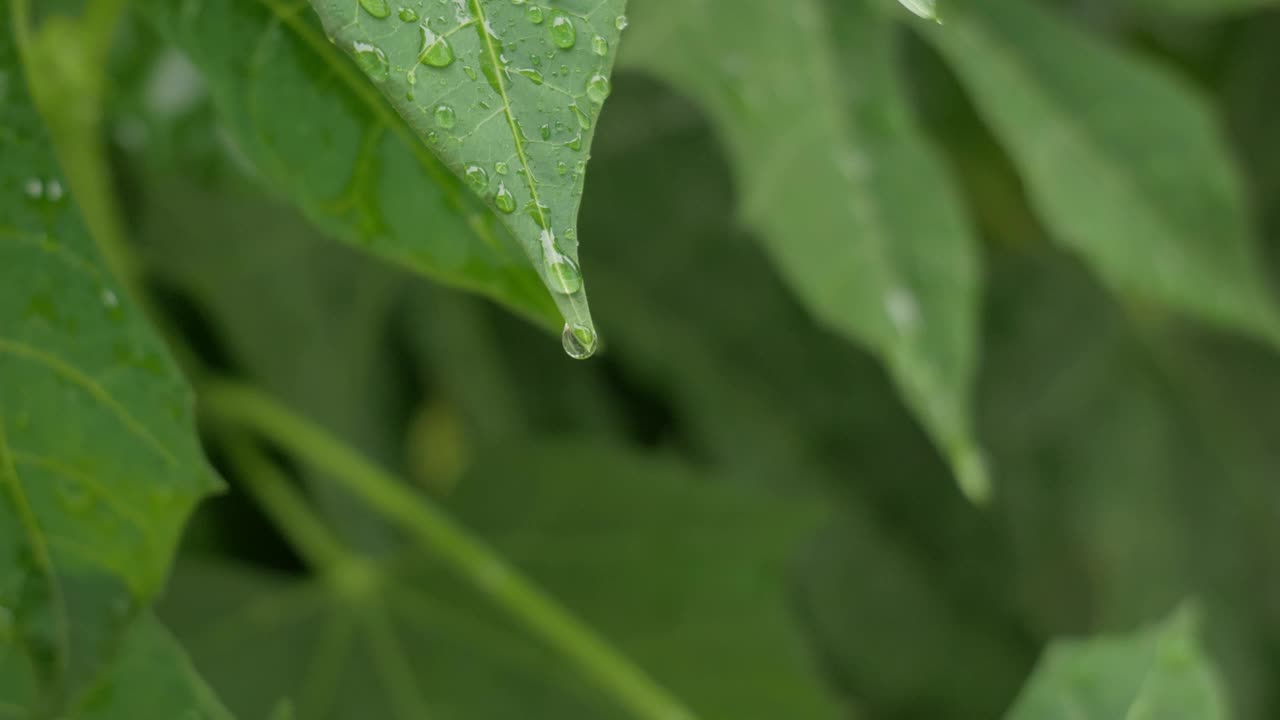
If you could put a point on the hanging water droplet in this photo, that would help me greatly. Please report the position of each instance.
(477, 178)
(621, 22)
(372, 61)
(534, 13)
(562, 168)
(563, 33)
(408, 15)
(580, 166)
(599, 46)
(598, 88)
(563, 274)
(500, 167)
(376, 8)
(545, 132)
(436, 50)
(534, 76)
(433, 137)
(575, 144)
(504, 200)
(579, 341)
(445, 116)
(584, 121)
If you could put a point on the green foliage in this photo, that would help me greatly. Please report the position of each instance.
(99, 465)
(1155, 672)
(858, 264)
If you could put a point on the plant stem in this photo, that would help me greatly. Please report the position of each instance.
(252, 409)
(285, 506)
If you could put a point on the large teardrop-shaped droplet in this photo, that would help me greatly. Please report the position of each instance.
(436, 50)
(505, 201)
(579, 341)
(598, 88)
(372, 61)
(563, 33)
(376, 8)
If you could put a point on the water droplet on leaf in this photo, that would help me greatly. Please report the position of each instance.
(445, 116)
(563, 33)
(534, 13)
(598, 88)
(376, 8)
(372, 61)
(621, 22)
(599, 46)
(408, 15)
(500, 167)
(504, 200)
(436, 50)
(477, 178)
(534, 76)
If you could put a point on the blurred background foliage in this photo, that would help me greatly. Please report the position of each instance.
(729, 491)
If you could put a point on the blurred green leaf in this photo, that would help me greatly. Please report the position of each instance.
(1156, 672)
(1151, 199)
(470, 79)
(850, 202)
(318, 134)
(99, 461)
(682, 575)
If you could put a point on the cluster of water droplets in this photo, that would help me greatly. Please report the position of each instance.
(562, 32)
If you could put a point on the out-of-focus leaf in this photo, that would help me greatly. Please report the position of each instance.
(318, 134)
(1150, 199)
(1133, 469)
(1156, 672)
(1198, 8)
(99, 462)
(849, 201)
(507, 96)
(681, 575)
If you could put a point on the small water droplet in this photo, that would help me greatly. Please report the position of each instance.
(598, 88)
(621, 22)
(545, 132)
(536, 60)
(470, 71)
(563, 33)
(433, 137)
(580, 166)
(534, 76)
(563, 274)
(539, 213)
(436, 50)
(579, 341)
(109, 299)
(408, 15)
(599, 46)
(575, 144)
(377, 8)
(445, 116)
(500, 167)
(53, 190)
(477, 178)
(518, 2)
(372, 61)
(34, 188)
(562, 168)
(534, 13)
(584, 121)
(504, 200)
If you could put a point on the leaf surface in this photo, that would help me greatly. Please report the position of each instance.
(315, 132)
(1151, 200)
(680, 574)
(99, 461)
(850, 203)
(507, 95)
(1158, 671)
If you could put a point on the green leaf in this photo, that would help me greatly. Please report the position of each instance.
(316, 133)
(1155, 672)
(507, 95)
(680, 574)
(850, 202)
(1198, 8)
(1151, 200)
(99, 461)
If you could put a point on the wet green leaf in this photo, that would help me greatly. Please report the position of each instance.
(315, 132)
(1151, 199)
(1158, 671)
(507, 95)
(678, 573)
(99, 462)
(849, 200)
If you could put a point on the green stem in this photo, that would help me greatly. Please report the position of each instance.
(251, 409)
(285, 506)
